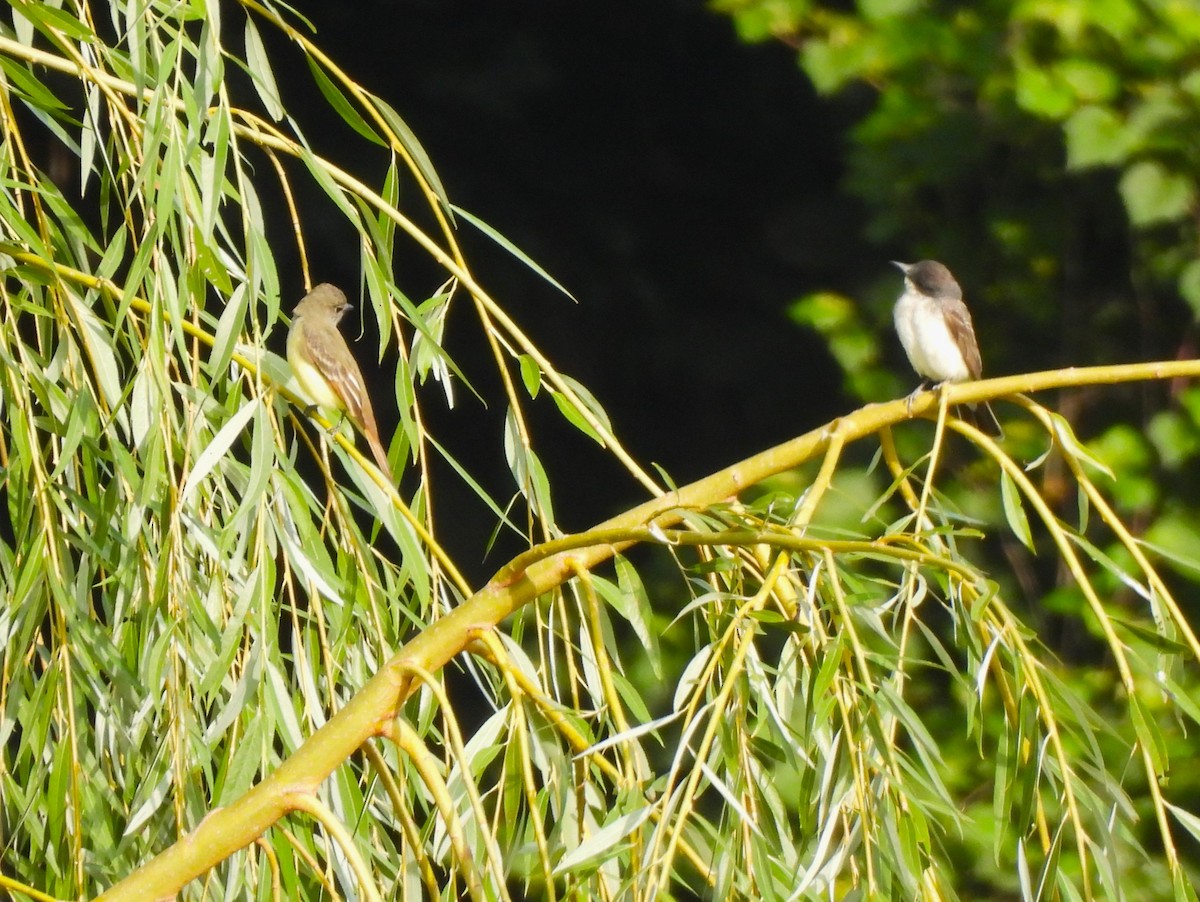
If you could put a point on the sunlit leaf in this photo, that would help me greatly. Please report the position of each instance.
(510, 247)
(259, 65)
(1152, 193)
(1014, 511)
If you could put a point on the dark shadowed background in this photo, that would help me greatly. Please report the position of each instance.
(680, 184)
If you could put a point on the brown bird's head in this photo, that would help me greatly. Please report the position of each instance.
(324, 299)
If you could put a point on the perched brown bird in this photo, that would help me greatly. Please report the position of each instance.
(325, 368)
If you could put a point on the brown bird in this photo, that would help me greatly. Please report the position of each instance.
(325, 368)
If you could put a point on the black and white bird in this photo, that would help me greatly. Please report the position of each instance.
(936, 331)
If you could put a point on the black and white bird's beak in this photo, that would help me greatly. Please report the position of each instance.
(903, 267)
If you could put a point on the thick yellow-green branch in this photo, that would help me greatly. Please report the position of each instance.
(370, 712)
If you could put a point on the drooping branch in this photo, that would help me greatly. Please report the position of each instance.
(370, 713)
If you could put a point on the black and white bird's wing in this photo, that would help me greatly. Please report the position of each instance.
(958, 321)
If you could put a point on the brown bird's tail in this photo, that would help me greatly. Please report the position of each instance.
(380, 454)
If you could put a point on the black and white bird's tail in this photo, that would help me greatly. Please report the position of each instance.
(984, 420)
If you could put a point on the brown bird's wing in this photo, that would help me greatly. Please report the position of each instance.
(958, 321)
(331, 355)
(346, 379)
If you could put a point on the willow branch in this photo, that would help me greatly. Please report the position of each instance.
(370, 712)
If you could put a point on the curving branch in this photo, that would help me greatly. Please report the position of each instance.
(372, 711)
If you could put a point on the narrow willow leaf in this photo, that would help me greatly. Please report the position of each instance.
(317, 169)
(211, 175)
(258, 63)
(1023, 872)
(341, 105)
(1072, 446)
(410, 143)
(1004, 763)
(50, 20)
(527, 470)
(282, 706)
(221, 668)
(210, 68)
(244, 765)
(1152, 637)
(823, 861)
(644, 728)
(380, 504)
(539, 489)
(531, 375)
(1183, 698)
(274, 367)
(514, 449)
(73, 227)
(217, 448)
(924, 743)
(170, 188)
(1050, 868)
(238, 702)
(22, 27)
(632, 696)
(151, 803)
(32, 90)
(1014, 511)
(666, 478)
(50, 120)
(1186, 562)
(473, 483)
(145, 404)
(512, 249)
(689, 679)
(262, 463)
(114, 252)
(634, 604)
(263, 278)
(604, 841)
(413, 313)
(88, 139)
(572, 415)
(587, 659)
(1033, 749)
(589, 401)
(375, 272)
(1148, 735)
(27, 235)
(1189, 820)
(427, 355)
(1110, 565)
(390, 192)
(98, 342)
(229, 327)
(745, 818)
(216, 272)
